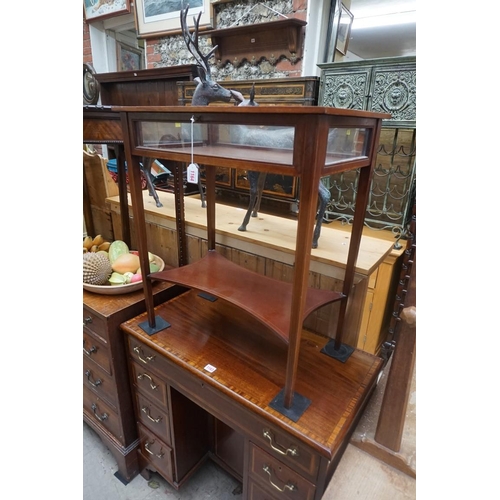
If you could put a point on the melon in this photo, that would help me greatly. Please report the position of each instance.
(126, 263)
(117, 248)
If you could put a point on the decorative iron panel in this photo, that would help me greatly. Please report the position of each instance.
(388, 86)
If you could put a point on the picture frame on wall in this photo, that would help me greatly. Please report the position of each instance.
(344, 29)
(156, 18)
(128, 58)
(333, 27)
(97, 10)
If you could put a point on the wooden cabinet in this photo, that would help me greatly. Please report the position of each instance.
(148, 87)
(383, 85)
(107, 401)
(377, 306)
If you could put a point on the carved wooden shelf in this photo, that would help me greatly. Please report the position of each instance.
(267, 299)
(256, 41)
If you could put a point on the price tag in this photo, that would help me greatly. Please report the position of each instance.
(192, 173)
(209, 368)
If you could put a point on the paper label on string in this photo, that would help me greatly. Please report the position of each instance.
(192, 173)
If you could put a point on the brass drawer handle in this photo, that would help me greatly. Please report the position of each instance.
(288, 485)
(146, 410)
(93, 384)
(101, 418)
(294, 452)
(146, 447)
(151, 383)
(87, 320)
(91, 351)
(138, 351)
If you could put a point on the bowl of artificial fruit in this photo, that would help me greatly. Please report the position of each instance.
(111, 268)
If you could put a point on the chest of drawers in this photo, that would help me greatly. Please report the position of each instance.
(202, 387)
(107, 403)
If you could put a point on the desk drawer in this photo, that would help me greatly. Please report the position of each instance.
(277, 477)
(96, 351)
(99, 382)
(153, 417)
(150, 384)
(102, 413)
(147, 358)
(157, 453)
(256, 492)
(96, 324)
(287, 449)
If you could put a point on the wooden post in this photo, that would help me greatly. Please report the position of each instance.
(392, 416)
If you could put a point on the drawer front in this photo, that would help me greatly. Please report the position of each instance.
(96, 351)
(275, 476)
(95, 324)
(102, 413)
(99, 382)
(150, 384)
(287, 449)
(153, 417)
(157, 453)
(256, 492)
(147, 358)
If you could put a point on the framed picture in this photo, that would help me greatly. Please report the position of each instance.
(333, 28)
(128, 58)
(163, 17)
(96, 10)
(344, 30)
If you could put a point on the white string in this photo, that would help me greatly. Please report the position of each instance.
(251, 8)
(192, 139)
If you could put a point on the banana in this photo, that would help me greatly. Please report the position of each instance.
(93, 248)
(104, 246)
(98, 240)
(87, 242)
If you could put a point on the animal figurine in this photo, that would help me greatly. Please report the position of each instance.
(257, 179)
(207, 90)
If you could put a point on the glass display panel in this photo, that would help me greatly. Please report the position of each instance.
(260, 143)
(346, 143)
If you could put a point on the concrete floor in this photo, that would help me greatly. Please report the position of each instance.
(100, 483)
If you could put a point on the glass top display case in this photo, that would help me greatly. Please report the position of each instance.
(306, 142)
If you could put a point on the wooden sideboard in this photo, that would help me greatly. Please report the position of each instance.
(267, 247)
(202, 388)
(107, 403)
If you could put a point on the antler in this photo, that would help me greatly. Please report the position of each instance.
(192, 44)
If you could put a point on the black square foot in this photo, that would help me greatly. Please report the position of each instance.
(342, 354)
(207, 296)
(161, 324)
(121, 478)
(299, 405)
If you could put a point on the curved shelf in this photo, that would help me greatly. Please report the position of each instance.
(267, 299)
